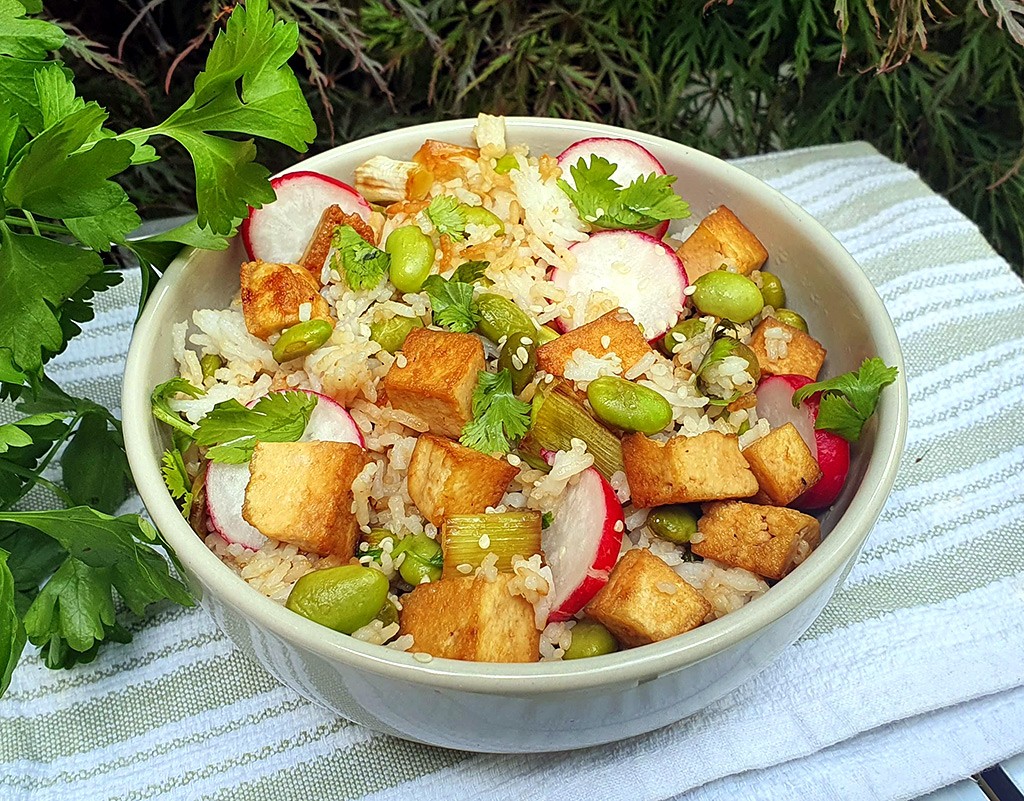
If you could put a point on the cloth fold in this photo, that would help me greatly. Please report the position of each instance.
(912, 678)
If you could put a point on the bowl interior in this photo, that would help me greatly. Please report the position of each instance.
(821, 279)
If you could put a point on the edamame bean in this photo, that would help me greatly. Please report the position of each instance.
(412, 256)
(730, 295)
(721, 349)
(506, 164)
(500, 317)
(388, 613)
(590, 638)
(210, 364)
(423, 559)
(546, 334)
(342, 598)
(631, 407)
(675, 523)
(391, 334)
(772, 291)
(680, 332)
(478, 215)
(301, 340)
(519, 357)
(790, 317)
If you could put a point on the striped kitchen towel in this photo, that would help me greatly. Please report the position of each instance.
(912, 678)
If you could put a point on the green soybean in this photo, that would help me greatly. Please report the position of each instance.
(478, 215)
(546, 334)
(516, 347)
(680, 332)
(675, 523)
(631, 407)
(388, 613)
(772, 292)
(506, 164)
(724, 347)
(423, 559)
(790, 317)
(500, 317)
(342, 598)
(590, 638)
(412, 256)
(301, 340)
(730, 295)
(210, 364)
(391, 334)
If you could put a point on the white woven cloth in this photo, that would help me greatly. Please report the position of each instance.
(911, 679)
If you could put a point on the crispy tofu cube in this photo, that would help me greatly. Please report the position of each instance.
(646, 601)
(721, 239)
(301, 492)
(446, 478)
(803, 354)
(471, 618)
(783, 465)
(435, 377)
(624, 338)
(708, 467)
(273, 293)
(319, 246)
(767, 540)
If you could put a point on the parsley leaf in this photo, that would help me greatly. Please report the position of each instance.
(12, 632)
(848, 400)
(172, 468)
(233, 430)
(446, 213)
(499, 417)
(94, 466)
(451, 304)
(13, 435)
(161, 408)
(363, 264)
(469, 272)
(26, 38)
(605, 204)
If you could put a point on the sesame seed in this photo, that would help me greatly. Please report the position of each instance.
(517, 363)
(523, 355)
(690, 290)
(668, 587)
(618, 525)
(526, 341)
(484, 542)
(606, 342)
(464, 568)
(514, 460)
(400, 360)
(421, 657)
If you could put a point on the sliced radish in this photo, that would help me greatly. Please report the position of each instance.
(583, 542)
(226, 483)
(644, 273)
(280, 231)
(775, 404)
(630, 159)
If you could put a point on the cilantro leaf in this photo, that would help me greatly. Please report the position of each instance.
(499, 417)
(94, 466)
(451, 304)
(12, 632)
(26, 38)
(603, 203)
(233, 430)
(469, 272)
(547, 519)
(162, 410)
(446, 213)
(849, 400)
(363, 264)
(172, 468)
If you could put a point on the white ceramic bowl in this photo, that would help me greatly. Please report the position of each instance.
(555, 705)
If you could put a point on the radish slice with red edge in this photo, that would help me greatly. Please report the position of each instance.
(582, 543)
(280, 231)
(225, 483)
(775, 404)
(644, 273)
(630, 159)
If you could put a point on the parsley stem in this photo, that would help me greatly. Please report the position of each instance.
(31, 221)
(36, 226)
(35, 475)
(55, 488)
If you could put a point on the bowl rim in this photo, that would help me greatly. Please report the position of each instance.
(624, 668)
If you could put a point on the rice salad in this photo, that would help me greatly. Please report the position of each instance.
(485, 398)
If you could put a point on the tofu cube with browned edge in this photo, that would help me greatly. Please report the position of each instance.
(301, 492)
(273, 295)
(616, 328)
(721, 240)
(446, 478)
(767, 540)
(471, 618)
(708, 467)
(783, 465)
(646, 601)
(802, 354)
(434, 378)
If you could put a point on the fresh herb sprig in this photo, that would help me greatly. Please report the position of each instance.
(499, 417)
(231, 431)
(451, 304)
(849, 400)
(446, 213)
(363, 265)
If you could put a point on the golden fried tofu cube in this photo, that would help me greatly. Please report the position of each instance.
(301, 492)
(708, 467)
(646, 601)
(624, 339)
(803, 354)
(471, 618)
(721, 239)
(434, 378)
(767, 540)
(272, 295)
(783, 465)
(319, 246)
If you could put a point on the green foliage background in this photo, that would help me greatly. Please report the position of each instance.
(940, 87)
